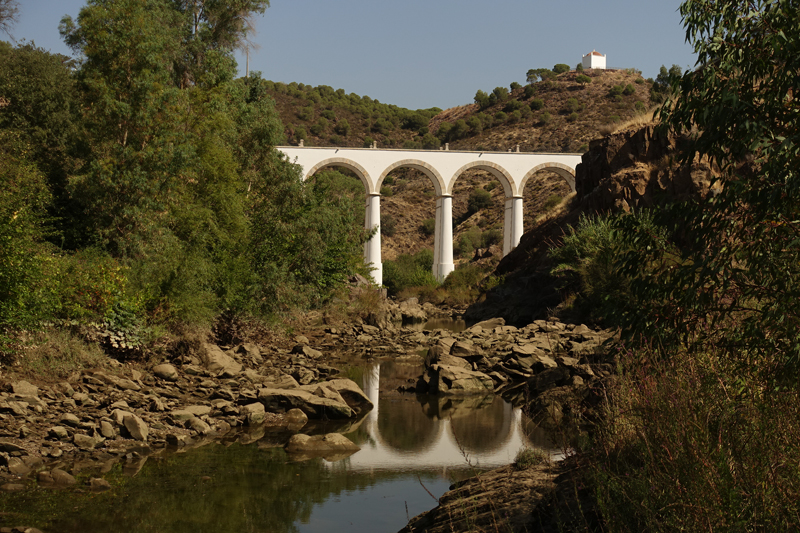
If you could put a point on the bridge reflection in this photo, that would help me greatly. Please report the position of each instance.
(404, 432)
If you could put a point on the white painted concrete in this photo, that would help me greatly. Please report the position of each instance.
(594, 59)
(443, 168)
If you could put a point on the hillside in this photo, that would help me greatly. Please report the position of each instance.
(555, 115)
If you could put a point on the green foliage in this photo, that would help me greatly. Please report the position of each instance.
(583, 79)
(616, 90)
(512, 106)
(482, 99)
(500, 94)
(586, 262)
(666, 83)
(24, 200)
(537, 104)
(478, 199)
(572, 105)
(500, 117)
(514, 86)
(530, 90)
(429, 142)
(409, 271)
(629, 90)
(428, 226)
(551, 202)
(528, 457)
(388, 225)
(573, 117)
(561, 68)
(545, 118)
(579, 67)
(539, 74)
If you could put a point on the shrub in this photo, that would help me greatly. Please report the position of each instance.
(537, 104)
(429, 142)
(530, 90)
(492, 185)
(388, 180)
(629, 90)
(300, 133)
(545, 117)
(429, 226)
(478, 199)
(516, 116)
(573, 117)
(409, 271)
(561, 68)
(482, 99)
(342, 127)
(579, 67)
(551, 202)
(386, 191)
(528, 457)
(573, 105)
(328, 114)
(616, 90)
(388, 224)
(583, 79)
(500, 117)
(525, 112)
(500, 94)
(368, 141)
(512, 106)
(640, 107)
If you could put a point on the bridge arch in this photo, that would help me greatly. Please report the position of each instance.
(349, 164)
(509, 187)
(562, 170)
(416, 164)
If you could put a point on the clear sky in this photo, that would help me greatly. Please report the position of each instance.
(430, 53)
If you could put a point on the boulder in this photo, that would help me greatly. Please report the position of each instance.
(136, 427)
(198, 410)
(548, 379)
(320, 444)
(166, 372)
(352, 394)
(218, 362)
(488, 325)
(315, 407)
(25, 388)
(462, 349)
(446, 379)
(307, 351)
(296, 417)
(253, 413)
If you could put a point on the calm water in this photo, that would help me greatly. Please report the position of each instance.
(412, 449)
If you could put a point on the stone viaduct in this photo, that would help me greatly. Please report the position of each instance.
(443, 168)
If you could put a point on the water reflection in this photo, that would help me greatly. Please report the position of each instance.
(449, 324)
(253, 485)
(404, 433)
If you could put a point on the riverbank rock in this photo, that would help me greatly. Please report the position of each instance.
(315, 407)
(330, 446)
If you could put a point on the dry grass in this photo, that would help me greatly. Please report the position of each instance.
(639, 121)
(55, 354)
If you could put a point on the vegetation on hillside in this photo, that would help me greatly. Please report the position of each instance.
(141, 189)
(702, 428)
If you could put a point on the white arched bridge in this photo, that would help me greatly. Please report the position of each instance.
(443, 168)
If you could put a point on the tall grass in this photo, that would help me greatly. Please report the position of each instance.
(696, 443)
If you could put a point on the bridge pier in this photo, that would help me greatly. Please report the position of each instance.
(512, 224)
(372, 248)
(443, 238)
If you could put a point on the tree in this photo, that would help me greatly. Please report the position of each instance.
(665, 83)
(736, 285)
(561, 68)
(583, 79)
(8, 15)
(538, 74)
(500, 94)
(482, 99)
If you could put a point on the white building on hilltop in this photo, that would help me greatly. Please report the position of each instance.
(594, 60)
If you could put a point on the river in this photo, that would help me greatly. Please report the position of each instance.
(412, 449)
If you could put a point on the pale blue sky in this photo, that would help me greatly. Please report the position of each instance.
(426, 53)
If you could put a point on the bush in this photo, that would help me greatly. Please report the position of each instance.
(478, 199)
(616, 90)
(561, 68)
(300, 134)
(537, 104)
(429, 142)
(500, 94)
(530, 90)
(583, 79)
(500, 117)
(512, 106)
(386, 191)
(579, 67)
(573, 117)
(572, 105)
(388, 224)
(545, 117)
(409, 271)
(629, 90)
(515, 86)
(342, 127)
(368, 141)
(528, 457)
(429, 226)
(551, 202)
